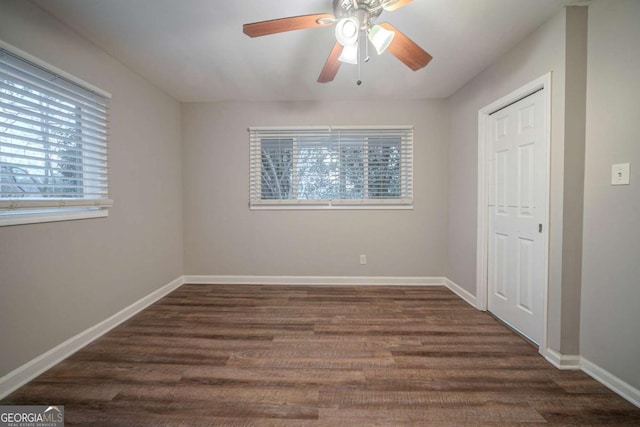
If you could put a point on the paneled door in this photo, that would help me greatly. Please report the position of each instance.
(517, 202)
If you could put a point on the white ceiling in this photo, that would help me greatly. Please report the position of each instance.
(196, 52)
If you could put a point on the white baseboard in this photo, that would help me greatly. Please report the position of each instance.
(461, 292)
(614, 383)
(25, 373)
(316, 280)
(576, 362)
(567, 362)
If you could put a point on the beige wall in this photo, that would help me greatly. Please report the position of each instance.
(594, 249)
(559, 47)
(223, 237)
(573, 178)
(58, 279)
(543, 51)
(610, 333)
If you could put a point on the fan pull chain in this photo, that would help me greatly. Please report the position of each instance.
(359, 82)
(366, 46)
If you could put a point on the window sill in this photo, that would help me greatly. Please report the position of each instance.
(324, 205)
(37, 216)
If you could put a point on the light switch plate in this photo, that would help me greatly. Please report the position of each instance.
(620, 174)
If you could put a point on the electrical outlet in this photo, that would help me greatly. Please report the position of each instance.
(620, 174)
(363, 259)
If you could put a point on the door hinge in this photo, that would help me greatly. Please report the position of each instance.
(539, 228)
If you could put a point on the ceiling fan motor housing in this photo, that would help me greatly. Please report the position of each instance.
(366, 11)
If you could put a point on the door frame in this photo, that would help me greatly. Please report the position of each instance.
(482, 283)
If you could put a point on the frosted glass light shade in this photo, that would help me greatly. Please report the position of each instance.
(347, 31)
(380, 38)
(349, 54)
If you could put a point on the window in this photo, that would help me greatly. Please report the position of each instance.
(53, 144)
(331, 167)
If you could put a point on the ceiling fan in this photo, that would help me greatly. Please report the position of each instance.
(352, 18)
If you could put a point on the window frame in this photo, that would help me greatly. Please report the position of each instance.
(16, 211)
(294, 133)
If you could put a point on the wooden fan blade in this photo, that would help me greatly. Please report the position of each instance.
(397, 5)
(332, 65)
(264, 28)
(406, 50)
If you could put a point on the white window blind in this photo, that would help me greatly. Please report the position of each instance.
(53, 141)
(331, 166)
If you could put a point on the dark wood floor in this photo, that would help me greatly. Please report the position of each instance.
(307, 356)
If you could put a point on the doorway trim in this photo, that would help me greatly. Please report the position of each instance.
(482, 259)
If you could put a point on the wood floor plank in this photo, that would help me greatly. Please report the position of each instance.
(100, 418)
(273, 377)
(82, 373)
(231, 355)
(211, 393)
(453, 416)
(276, 361)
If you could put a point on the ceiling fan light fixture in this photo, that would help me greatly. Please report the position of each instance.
(380, 38)
(349, 54)
(351, 17)
(347, 31)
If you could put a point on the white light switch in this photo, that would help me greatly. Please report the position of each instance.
(620, 174)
